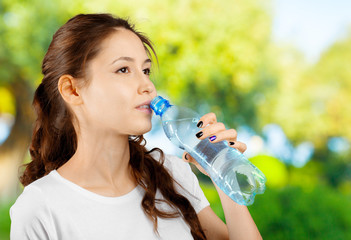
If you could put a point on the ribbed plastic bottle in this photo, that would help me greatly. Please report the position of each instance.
(233, 173)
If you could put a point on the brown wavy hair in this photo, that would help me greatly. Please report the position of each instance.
(54, 139)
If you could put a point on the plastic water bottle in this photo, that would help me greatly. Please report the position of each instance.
(233, 173)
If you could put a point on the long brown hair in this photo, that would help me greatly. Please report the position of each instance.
(54, 139)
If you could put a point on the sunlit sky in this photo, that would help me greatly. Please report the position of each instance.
(311, 25)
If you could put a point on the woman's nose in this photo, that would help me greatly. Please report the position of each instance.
(146, 85)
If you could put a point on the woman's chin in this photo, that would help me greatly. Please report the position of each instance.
(143, 130)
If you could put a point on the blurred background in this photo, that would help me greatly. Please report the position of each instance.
(276, 71)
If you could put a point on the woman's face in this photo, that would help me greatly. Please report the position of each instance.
(119, 93)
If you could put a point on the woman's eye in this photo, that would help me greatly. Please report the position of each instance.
(147, 71)
(123, 70)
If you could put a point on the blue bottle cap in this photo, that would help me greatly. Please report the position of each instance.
(159, 105)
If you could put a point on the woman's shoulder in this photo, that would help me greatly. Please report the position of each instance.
(30, 200)
(40, 186)
(29, 207)
(174, 164)
(33, 199)
(178, 169)
(30, 214)
(187, 182)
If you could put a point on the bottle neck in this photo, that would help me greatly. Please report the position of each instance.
(160, 105)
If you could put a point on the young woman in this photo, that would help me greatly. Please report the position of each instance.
(91, 176)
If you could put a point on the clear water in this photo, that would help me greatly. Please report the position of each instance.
(229, 169)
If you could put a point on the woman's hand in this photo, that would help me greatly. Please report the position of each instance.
(216, 132)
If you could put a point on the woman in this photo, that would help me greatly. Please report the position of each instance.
(91, 176)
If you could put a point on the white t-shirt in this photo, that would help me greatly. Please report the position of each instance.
(54, 208)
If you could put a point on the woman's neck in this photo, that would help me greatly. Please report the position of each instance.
(101, 165)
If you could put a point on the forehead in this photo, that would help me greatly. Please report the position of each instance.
(122, 42)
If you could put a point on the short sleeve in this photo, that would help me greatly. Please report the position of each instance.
(190, 187)
(30, 216)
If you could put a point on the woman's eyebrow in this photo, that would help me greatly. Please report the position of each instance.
(129, 59)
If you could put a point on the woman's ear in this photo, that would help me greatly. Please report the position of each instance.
(68, 90)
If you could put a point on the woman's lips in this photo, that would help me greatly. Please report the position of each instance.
(145, 108)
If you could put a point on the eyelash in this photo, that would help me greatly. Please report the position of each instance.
(126, 68)
(149, 71)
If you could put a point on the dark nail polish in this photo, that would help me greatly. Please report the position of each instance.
(200, 124)
(186, 156)
(213, 138)
(199, 134)
(231, 143)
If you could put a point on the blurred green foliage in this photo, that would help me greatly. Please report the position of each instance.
(294, 213)
(5, 220)
(311, 101)
(291, 212)
(213, 57)
(275, 171)
(219, 57)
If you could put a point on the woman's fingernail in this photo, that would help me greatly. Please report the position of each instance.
(199, 134)
(186, 156)
(231, 143)
(213, 138)
(200, 124)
